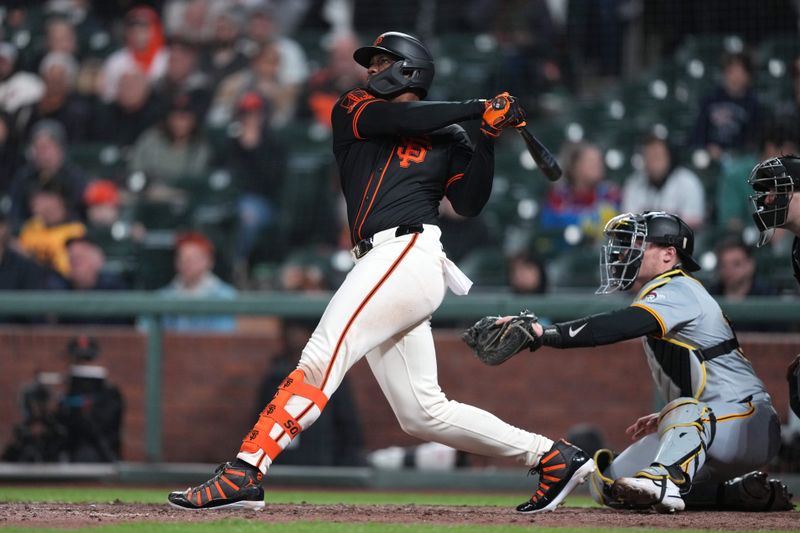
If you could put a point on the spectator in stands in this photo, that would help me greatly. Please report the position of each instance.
(18, 89)
(306, 275)
(87, 272)
(75, 28)
(48, 165)
(102, 200)
(738, 279)
(262, 77)
(134, 110)
(194, 262)
(60, 37)
(335, 78)
(257, 162)
(337, 438)
(144, 48)
(189, 20)
(662, 185)
(731, 114)
(583, 198)
(10, 155)
(263, 29)
(527, 48)
(173, 151)
(182, 75)
(526, 274)
(779, 136)
(17, 272)
(461, 235)
(44, 237)
(60, 101)
(225, 55)
(736, 272)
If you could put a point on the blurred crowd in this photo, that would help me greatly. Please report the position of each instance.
(183, 145)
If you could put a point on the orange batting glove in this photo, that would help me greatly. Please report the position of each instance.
(502, 111)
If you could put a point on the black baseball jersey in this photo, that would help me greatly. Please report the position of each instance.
(397, 159)
(796, 258)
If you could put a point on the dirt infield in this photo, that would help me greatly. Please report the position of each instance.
(82, 515)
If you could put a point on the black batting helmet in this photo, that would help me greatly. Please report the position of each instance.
(412, 71)
(626, 237)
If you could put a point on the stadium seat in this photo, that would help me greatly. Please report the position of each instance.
(486, 267)
(100, 160)
(576, 267)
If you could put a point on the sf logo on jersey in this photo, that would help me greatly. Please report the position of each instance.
(413, 150)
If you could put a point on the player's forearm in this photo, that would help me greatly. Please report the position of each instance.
(603, 328)
(414, 118)
(470, 193)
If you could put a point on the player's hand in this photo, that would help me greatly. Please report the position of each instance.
(537, 328)
(792, 367)
(502, 111)
(644, 426)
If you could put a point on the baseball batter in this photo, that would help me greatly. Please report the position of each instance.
(773, 182)
(718, 422)
(397, 158)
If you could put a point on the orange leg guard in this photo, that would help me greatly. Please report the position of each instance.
(275, 413)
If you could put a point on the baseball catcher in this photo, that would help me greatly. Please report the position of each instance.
(773, 182)
(718, 422)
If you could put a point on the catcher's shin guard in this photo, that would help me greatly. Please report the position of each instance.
(275, 427)
(686, 429)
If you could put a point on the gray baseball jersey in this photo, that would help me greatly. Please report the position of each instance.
(692, 321)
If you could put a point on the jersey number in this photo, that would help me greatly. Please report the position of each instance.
(412, 151)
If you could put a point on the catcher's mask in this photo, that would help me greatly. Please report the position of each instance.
(626, 238)
(773, 185)
(412, 71)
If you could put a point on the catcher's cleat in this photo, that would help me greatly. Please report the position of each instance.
(661, 494)
(231, 487)
(560, 470)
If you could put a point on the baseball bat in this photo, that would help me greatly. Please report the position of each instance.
(544, 159)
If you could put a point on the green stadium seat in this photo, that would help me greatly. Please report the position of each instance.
(576, 267)
(486, 267)
(100, 160)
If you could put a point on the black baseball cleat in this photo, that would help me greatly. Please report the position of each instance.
(231, 487)
(560, 470)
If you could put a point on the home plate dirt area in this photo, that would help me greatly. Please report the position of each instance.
(82, 515)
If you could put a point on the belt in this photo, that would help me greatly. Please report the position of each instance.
(365, 245)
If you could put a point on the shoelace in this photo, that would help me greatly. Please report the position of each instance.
(541, 469)
(220, 470)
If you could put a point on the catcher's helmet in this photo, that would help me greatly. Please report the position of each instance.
(773, 183)
(626, 236)
(413, 69)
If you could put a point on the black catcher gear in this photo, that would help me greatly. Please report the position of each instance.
(495, 343)
(626, 236)
(773, 183)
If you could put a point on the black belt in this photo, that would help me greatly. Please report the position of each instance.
(720, 349)
(365, 245)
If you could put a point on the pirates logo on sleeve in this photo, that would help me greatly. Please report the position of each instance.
(652, 296)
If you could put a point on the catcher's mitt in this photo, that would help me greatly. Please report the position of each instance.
(494, 343)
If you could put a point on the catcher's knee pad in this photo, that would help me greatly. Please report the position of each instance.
(275, 427)
(686, 429)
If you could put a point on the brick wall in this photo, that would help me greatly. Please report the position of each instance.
(210, 384)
